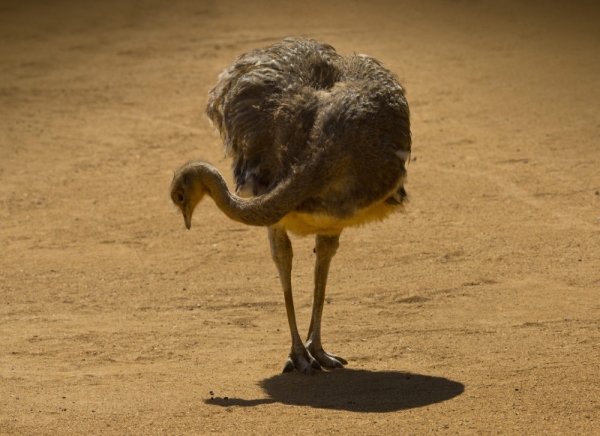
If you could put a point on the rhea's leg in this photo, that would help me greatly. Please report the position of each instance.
(281, 250)
(325, 247)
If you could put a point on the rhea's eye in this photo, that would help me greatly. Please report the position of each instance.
(180, 198)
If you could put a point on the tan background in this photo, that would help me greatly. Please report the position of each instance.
(476, 312)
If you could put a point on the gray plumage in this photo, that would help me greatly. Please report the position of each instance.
(298, 101)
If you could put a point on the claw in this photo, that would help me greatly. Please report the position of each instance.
(303, 362)
(330, 361)
(289, 366)
(335, 364)
(308, 367)
(339, 359)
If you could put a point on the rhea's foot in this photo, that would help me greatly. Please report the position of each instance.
(302, 361)
(329, 361)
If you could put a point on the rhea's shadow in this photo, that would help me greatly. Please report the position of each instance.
(353, 390)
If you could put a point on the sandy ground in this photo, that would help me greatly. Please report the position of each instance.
(475, 312)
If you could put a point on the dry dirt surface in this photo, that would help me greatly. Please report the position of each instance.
(475, 312)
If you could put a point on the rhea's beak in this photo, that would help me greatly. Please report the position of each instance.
(188, 220)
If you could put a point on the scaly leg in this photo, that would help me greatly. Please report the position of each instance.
(281, 250)
(325, 247)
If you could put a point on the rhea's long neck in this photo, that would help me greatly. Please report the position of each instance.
(264, 210)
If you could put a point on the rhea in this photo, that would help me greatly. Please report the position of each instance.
(319, 142)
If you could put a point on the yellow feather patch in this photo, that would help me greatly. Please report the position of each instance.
(304, 224)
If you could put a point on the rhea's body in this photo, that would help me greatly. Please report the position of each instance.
(319, 142)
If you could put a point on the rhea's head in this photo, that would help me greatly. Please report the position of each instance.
(187, 191)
